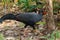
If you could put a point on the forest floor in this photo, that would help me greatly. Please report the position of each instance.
(11, 28)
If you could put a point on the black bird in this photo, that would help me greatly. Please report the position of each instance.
(27, 18)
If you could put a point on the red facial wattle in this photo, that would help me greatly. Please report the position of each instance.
(44, 13)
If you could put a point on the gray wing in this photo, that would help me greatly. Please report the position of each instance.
(28, 17)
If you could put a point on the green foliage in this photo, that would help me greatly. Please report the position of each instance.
(32, 7)
(6, 1)
(51, 39)
(42, 23)
(58, 34)
(21, 1)
(1, 37)
(27, 4)
(58, 24)
(54, 35)
(56, 6)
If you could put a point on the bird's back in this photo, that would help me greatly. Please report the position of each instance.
(29, 17)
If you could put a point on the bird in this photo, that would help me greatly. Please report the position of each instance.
(27, 18)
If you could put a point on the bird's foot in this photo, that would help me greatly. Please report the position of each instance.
(35, 30)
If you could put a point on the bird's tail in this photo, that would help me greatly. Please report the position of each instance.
(8, 17)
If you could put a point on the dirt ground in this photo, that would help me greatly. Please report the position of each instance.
(11, 28)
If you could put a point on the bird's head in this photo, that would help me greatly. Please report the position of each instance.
(42, 11)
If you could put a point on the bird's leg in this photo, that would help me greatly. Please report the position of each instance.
(34, 29)
(25, 26)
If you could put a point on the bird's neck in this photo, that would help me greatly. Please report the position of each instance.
(41, 14)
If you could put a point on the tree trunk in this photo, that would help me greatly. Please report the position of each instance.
(50, 18)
